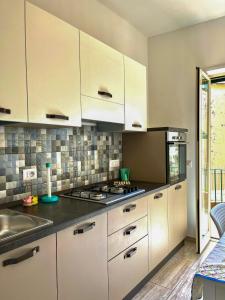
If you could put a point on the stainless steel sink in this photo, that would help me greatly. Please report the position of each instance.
(14, 223)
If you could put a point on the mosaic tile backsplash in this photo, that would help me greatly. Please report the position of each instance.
(79, 156)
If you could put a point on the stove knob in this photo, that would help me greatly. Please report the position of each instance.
(125, 191)
(135, 188)
(132, 189)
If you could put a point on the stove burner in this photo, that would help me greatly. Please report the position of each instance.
(116, 190)
(97, 196)
(104, 188)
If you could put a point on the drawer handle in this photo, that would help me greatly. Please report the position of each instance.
(129, 208)
(106, 94)
(159, 195)
(178, 187)
(59, 117)
(16, 260)
(84, 228)
(137, 125)
(130, 253)
(129, 230)
(5, 111)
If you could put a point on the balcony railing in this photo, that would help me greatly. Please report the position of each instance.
(218, 185)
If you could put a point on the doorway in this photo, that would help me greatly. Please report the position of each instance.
(210, 150)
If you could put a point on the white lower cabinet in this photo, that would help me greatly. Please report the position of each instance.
(127, 269)
(177, 213)
(158, 228)
(82, 261)
(29, 272)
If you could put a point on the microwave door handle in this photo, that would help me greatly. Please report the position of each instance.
(178, 143)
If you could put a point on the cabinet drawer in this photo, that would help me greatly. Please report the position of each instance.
(128, 269)
(99, 110)
(126, 214)
(122, 239)
(33, 276)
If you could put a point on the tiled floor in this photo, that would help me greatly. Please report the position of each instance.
(173, 281)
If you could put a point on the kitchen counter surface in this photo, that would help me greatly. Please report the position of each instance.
(67, 212)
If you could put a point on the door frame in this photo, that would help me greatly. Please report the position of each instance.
(198, 231)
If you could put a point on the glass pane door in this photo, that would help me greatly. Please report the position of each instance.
(173, 163)
(204, 160)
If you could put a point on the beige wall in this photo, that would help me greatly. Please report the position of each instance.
(94, 18)
(173, 58)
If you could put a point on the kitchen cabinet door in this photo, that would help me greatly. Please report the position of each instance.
(52, 69)
(102, 70)
(34, 275)
(135, 96)
(82, 260)
(158, 228)
(13, 96)
(177, 213)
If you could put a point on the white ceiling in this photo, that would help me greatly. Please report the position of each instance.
(153, 17)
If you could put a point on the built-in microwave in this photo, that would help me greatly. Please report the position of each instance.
(158, 155)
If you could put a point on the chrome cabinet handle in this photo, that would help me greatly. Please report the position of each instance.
(129, 230)
(130, 253)
(106, 94)
(16, 260)
(129, 208)
(59, 117)
(159, 195)
(178, 187)
(84, 228)
(5, 111)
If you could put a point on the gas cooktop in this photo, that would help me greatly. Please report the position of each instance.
(105, 194)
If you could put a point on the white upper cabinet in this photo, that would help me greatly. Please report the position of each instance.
(13, 97)
(102, 80)
(53, 69)
(135, 96)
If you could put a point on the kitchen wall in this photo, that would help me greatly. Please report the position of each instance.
(97, 20)
(173, 58)
(78, 155)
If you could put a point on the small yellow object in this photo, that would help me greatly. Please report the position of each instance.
(34, 200)
(30, 201)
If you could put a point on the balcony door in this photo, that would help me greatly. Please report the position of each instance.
(203, 160)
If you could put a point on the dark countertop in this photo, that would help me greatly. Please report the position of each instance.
(67, 212)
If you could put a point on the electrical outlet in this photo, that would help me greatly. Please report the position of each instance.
(114, 163)
(29, 174)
